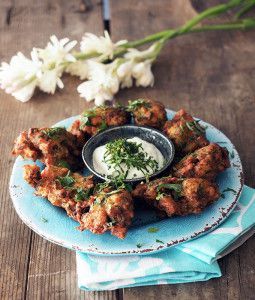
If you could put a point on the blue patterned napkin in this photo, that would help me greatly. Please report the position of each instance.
(188, 262)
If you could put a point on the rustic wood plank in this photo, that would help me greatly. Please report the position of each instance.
(212, 76)
(31, 267)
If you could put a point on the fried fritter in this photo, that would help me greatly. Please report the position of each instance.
(206, 162)
(111, 210)
(185, 132)
(100, 118)
(62, 188)
(177, 197)
(52, 146)
(148, 113)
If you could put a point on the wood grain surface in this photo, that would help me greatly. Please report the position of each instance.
(212, 75)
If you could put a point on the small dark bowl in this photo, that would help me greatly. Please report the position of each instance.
(150, 135)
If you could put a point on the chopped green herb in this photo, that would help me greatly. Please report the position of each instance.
(54, 133)
(82, 194)
(175, 188)
(139, 245)
(159, 241)
(63, 164)
(133, 105)
(103, 126)
(222, 196)
(195, 127)
(122, 152)
(44, 220)
(66, 181)
(153, 230)
(85, 118)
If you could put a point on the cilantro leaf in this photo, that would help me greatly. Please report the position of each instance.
(153, 230)
(66, 181)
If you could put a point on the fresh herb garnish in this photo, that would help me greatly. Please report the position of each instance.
(82, 194)
(175, 188)
(121, 153)
(85, 118)
(66, 181)
(44, 220)
(195, 127)
(103, 126)
(139, 245)
(54, 133)
(152, 229)
(133, 105)
(63, 164)
(159, 241)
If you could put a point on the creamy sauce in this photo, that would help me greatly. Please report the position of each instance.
(102, 168)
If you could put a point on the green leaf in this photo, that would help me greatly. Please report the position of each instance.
(66, 181)
(139, 245)
(103, 126)
(133, 105)
(82, 194)
(153, 230)
(54, 133)
(159, 241)
(63, 164)
(44, 220)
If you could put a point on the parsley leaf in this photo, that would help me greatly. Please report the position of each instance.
(54, 133)
(63, 164)
(153, 230)
(66, 181)
(133, 105)
(82, 194)
(159, 241)
(139, 245)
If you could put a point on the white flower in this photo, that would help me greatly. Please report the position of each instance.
(49, 81)
(19, 78)
(103, 83)
(142, 73)
(101, 45)
(124, 72)
(78, 68)
(54, 58)
(57, 52)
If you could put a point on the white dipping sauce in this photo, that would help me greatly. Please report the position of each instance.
(102, 168)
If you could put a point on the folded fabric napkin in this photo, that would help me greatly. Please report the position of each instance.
(188, 262)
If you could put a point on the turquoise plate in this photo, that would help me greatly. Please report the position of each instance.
(53, 224)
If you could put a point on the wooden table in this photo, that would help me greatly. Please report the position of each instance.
(212, 75)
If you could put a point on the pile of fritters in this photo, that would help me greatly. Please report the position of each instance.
(189, 188)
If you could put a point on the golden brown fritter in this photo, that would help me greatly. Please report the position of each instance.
(111, 210)
(177, 197)
(206, 162)
(52, 146)
(97, 119)
(62, 188)
(185, 132)
(148, 113)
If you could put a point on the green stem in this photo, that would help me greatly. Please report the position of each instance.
(169, 34)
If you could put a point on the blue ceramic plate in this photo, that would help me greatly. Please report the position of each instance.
(52, 223)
